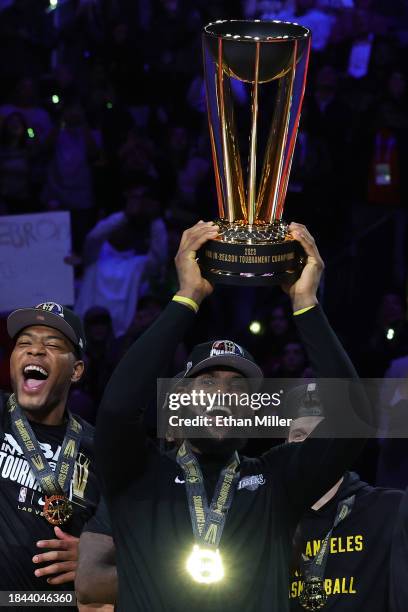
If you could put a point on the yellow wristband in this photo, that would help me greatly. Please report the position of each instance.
(302, 310)
(187, 302)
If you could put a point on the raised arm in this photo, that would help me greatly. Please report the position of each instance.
(98, 234)
(158, 250)
(120, 438)
(312, 467)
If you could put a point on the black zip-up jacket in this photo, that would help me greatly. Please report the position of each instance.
(148, 504)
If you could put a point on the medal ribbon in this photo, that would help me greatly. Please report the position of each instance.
(52, 483)
(208, 521)
(315, 568)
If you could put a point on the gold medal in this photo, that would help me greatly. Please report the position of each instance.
(313, 596)
(205, 565)
(57, 509)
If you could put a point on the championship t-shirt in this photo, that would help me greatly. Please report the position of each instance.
(22, 523)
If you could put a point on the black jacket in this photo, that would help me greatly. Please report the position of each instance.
(357, 571)
(148, 504)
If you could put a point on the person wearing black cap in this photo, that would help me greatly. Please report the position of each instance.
(203, 528)
(344, 539)
(48, 483)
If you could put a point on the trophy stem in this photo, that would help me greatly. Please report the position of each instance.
(233, 186)
(281, 141)
(251, 202)
(287, 107)
(230, 207)
(289, 158)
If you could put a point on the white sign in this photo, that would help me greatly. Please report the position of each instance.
(32, 268)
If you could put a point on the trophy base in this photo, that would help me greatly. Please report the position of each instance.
(251, 256)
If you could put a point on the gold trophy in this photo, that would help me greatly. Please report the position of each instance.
(268, 60)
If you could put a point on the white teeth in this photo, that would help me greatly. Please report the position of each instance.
(37, 368)
(222, 409)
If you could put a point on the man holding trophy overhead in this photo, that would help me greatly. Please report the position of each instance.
(190, 533)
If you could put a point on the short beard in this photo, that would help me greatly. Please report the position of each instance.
(40, 411)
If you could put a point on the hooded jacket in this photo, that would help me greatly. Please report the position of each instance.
(357, 570)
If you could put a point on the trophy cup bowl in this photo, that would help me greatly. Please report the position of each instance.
(270, 59)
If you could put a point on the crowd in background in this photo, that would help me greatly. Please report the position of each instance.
(102, 114)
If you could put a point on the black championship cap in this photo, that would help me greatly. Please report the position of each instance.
(52, 315)
(221, 353)
(303, 401)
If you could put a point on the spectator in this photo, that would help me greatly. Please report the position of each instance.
(15, 166)
(25, 102)
(388, 148)
(99, 335)
(69, 184)
(292, 364)
(388, 339)
(122, 254)
(330, 118)
(137, 155)
(26, 37)
(191, 179)
(147, 311)
(275, 332)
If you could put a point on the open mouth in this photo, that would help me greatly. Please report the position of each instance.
(35, 377)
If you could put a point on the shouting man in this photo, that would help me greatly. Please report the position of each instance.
(48, 487)
(160, 504)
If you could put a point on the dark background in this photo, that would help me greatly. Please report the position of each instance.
(123, 80)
